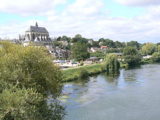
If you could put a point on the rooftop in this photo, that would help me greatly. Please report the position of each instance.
(38, 29)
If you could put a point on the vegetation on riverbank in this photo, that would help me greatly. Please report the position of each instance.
(112, 65)
(80, 72)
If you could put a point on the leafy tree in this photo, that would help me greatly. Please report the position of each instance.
(156, 57)
(131, 56)
(119, 44)
(130, 51)
(148, 49)
(79, 38)
(79, 51)
(134, 44)
(95, 44)
(107, 42)
(114, 50)
(112, 64)
(27, 76)
(97, 54)
(158, 48)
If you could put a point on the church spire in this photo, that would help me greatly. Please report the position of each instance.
(36, 24)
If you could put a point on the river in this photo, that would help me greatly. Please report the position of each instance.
(133, 95)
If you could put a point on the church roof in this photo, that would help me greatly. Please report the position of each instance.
(37, 29)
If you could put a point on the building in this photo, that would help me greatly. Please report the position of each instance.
(37, 35)
(94, 49)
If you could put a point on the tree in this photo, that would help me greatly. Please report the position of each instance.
(119, 44)
(156, 57)
(27, 76)
(97, 54)
(148, 49)
(112, 64)
(107, 42)
(79, 51)
(158, 48)
(131, 56)
(130, 51)
(134, 44)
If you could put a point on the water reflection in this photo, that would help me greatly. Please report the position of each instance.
(112, 78)
(109, 93)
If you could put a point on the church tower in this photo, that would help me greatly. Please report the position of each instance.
(36, 24)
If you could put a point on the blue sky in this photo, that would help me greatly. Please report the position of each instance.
(122, 20)
(115, 9)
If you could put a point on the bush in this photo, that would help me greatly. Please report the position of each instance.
(131, 56)
(83, 73)
(112, 64)
(156, 57)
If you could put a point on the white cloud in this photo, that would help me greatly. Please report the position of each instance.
(87, 17)
(28, 7)
(139, 2)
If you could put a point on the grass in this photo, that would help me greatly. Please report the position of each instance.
(76, 73)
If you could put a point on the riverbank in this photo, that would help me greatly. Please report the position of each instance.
(76, 73)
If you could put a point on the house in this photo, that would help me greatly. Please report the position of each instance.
(104, 47)
(91, 60)
(94, 49)
(60, 53)
(147, 57)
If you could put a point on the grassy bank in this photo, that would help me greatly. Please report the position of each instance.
(75, 73)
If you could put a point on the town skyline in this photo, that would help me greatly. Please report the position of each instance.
(122, 20)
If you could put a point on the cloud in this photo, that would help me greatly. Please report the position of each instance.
(89, 18)
(139, 2)
(28, 7)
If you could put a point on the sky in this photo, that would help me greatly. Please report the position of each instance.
(122, 20)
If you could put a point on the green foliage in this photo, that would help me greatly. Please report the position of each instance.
(119, 44)
(107, 42)
(16, 104)
(79, 38)
(112, 64)
(29, 67)
(97, 54)
(156, 57)
(131, 56)
(114, 50)
(158, 48)
(130, 51)
(134, 44)
(83, 73)
(27, 104)
(74, 73)
(148, 49)
(27, 75)
(80, 51)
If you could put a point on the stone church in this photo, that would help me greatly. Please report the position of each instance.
(37, 35)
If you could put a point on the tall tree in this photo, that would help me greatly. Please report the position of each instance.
(79, 51)
(148, 49)
(112, 64)
(134, 44)
(131, 56)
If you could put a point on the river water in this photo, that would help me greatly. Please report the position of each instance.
(133, 95)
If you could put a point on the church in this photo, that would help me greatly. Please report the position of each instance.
(37, 35)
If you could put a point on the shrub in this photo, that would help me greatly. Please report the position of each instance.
(112, 64)
(156, 57)
(83, 73)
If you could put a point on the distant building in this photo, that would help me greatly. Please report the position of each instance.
(37, 35)
(104, 47)
(94, 49)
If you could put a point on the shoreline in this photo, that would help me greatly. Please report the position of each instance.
(73, 74)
